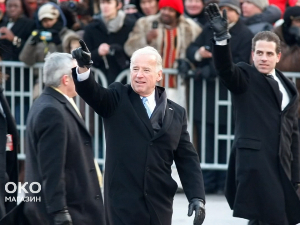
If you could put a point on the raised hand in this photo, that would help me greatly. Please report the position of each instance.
(218, 23)
(82, 55)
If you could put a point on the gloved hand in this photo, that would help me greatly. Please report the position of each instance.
(198, 206)
(295, 31)
(62, 217)
(35, 37)
(184, 67)
(82, 55)
(218, 23)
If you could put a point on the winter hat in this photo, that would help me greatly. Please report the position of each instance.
(48, 11)
(262, 4)
(290, 14)
(175, 4)
(234, 4)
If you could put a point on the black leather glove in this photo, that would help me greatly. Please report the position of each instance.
(35, 37)
(82, 55)
(184, 68)
(218, 23)
(62, 217)
(197, 205)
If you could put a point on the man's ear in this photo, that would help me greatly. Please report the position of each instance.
(278, 57)
(159, 77)
(65, 80)
(119, 5)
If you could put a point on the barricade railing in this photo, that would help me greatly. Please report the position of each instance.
(25, 83)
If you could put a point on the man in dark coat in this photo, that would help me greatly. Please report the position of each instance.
(8, 156)
(59, 153)
(199, 53)
(145, 133)
(264, 166)
(105, 37)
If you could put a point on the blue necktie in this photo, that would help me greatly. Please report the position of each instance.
(145, 100)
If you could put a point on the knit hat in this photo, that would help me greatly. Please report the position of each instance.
(234, 4)
(175, 4)
(290, 14)
(48, 11)
(262, 4)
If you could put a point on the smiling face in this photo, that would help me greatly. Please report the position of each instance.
(144, 74)
(264, 56)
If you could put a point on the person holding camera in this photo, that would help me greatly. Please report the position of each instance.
(105, 37)
(51, 35)
(199, 53)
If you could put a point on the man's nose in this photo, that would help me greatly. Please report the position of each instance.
(139, 73)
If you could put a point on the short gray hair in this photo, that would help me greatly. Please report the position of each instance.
(148, 50)
(56, 65)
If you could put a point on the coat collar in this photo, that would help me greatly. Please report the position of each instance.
(142, 114)
(62, 99)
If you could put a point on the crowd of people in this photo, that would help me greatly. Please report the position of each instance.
(115, 35)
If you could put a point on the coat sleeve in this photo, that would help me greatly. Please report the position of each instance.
(137, 37)
(27, 55)
(232, 76)
(103, 100)
(188, 165)
(51, 158)
(295, 148)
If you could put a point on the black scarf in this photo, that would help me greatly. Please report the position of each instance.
(55, 29)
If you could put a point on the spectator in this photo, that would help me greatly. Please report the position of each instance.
(298, 3)
(199, 53)
(258, 15)
(281, 4)
(106, 35)
(52, 35)
(289, 34)
(170, 33)
(144, 8)
(15, 28)
(31, 6)
(194, 9)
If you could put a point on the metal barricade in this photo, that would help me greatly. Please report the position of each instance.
(24, 82)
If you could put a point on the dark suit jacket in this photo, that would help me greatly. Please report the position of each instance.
(8, 159)
(138, 187)
(59, 155)
(264, 162)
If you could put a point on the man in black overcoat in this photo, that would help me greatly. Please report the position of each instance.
(8, 156)
(145, 132)
(264, 165)
(199, 53)
(59, 153)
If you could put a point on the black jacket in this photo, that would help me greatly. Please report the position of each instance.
(8, 159)
(265, 158)
(96, 34)
(59, 155)
(22, 28)
(138, 187)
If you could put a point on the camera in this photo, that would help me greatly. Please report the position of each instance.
(46, 35)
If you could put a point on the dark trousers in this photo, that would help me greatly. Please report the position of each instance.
(214, 180)
(257, 222)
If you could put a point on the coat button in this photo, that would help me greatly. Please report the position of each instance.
(146, 193)
(147, 169)
(97, 197)
(86, 143)
(91, 170)
(151, 143)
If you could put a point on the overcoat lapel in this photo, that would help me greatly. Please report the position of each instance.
(70, 108)
(167, 121)
(274, 85)
(140, 110)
